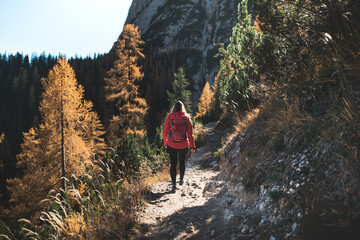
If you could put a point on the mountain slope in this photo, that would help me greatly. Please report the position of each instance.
(187, 28)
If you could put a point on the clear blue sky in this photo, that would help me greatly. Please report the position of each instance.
(69, 27)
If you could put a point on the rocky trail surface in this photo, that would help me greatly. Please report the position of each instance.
(192, 212)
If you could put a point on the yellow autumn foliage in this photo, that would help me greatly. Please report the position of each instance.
(75, 225)
(205, 100)
(62, 107)
(121, 85)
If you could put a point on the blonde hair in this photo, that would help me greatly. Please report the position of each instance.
(178, 106)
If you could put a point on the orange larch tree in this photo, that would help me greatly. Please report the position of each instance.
(205, 100)
(2, 137)
(64, 144)
(121, 85)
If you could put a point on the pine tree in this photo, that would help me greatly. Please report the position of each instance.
(239, 63)
(121, 85)
(180, 90)
(205, 101)
(64, 144)
(31, 106)
(2, 180)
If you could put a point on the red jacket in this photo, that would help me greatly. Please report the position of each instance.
(189, 131)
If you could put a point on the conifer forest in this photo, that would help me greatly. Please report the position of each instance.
(81, 138)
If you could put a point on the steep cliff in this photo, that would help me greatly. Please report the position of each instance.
(187, 29)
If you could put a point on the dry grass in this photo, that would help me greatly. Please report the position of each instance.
(93, 210)
(292, 127)
(118, 223)
(94, 207)
(339, 201)
(245, 136)
(118, 213)
(199, 134)
(160, 176)
(243, 123)
(75, 225)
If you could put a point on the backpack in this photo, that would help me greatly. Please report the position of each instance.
(178, 130)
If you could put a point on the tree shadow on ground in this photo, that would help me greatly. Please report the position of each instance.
(153, 197)
(201, 222)
(204, 157)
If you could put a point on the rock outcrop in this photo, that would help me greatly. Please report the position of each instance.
(188, 28)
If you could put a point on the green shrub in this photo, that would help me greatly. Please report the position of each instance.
(218, 152)
(250, 152)
(274, 195)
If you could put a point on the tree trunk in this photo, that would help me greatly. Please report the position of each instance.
(62, 145)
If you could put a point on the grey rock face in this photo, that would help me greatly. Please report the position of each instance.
(190, 27)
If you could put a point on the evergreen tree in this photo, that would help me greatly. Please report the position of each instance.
(239, 66)
(180, 90)
(63, 145)
(205, 100)
(121, 85)
(2, 180)
(31, 103)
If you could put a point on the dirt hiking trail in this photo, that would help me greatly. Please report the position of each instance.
(190, 212)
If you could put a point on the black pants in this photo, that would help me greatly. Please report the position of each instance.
(176, 154)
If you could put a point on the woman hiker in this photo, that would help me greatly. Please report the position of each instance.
(178, 136)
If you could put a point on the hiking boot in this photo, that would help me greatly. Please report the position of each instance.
(181, 182)
(173, 189)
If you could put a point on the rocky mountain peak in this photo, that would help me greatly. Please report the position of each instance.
(189, 29)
